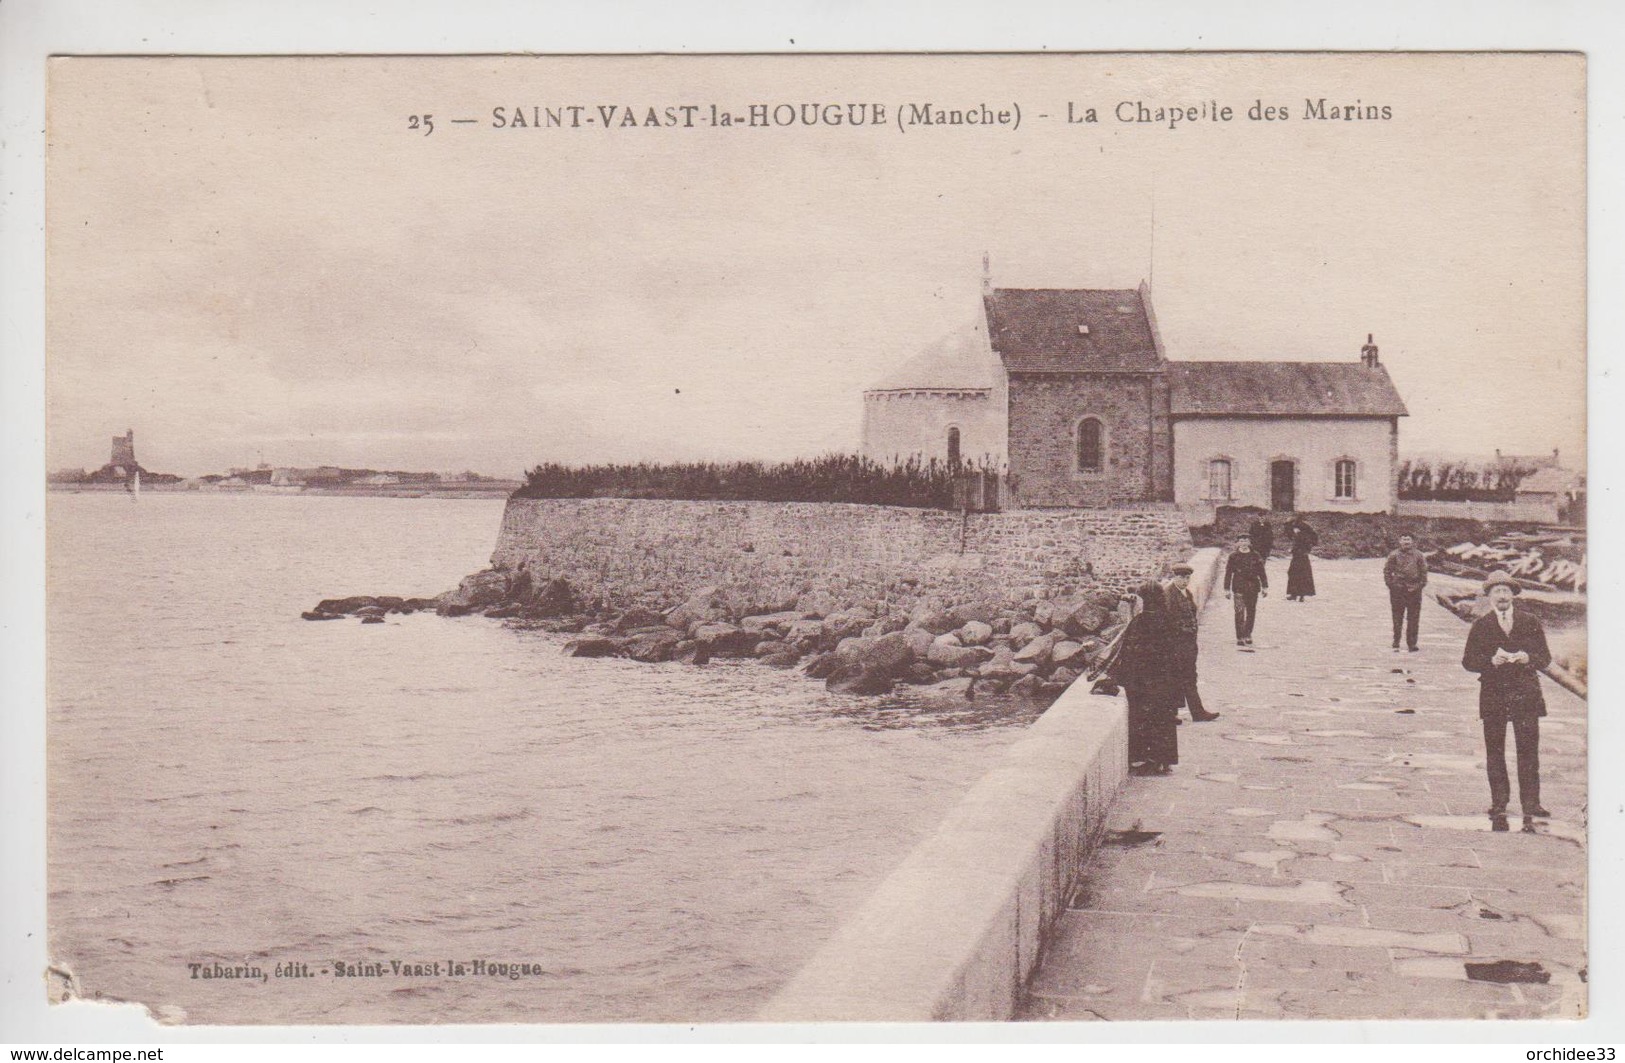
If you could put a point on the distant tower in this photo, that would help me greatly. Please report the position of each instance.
(987, 274)
(1368, 353)
(124, 449)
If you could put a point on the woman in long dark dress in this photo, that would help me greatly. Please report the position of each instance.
(1143, 669)
(1300, 575)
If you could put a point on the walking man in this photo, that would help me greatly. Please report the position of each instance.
(1507, 648)
(1244, 582)
(1406, 573)
(1183, 623)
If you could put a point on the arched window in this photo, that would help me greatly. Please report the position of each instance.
(953, 446)
(1218, 479)
(1091, 445)
(1343, 478)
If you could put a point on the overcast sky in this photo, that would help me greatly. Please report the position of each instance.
(257, 260)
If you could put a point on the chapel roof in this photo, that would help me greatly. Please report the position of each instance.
(959, 361)
(1072, 329)
(1282, 389)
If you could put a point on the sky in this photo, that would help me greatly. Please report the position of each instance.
(258, 260)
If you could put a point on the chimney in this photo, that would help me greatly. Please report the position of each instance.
(1368, 353)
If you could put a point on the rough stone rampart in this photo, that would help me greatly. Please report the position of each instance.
(627, 550)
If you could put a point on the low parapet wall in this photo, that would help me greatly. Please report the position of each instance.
(954, 933)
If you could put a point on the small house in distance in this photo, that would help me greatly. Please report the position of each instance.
(1072, 392)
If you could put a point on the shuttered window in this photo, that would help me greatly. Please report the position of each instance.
(1218, 479)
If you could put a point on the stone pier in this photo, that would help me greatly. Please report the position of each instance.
(1322, 851)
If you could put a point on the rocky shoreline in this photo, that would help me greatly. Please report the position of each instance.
(1034, 648)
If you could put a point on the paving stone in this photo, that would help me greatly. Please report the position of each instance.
(1323, 855)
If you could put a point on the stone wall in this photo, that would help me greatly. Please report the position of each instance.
(1345, 535)
(633, 550)
(1519, 512)
(1045, 409)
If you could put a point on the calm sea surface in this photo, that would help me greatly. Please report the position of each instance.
(230, 784)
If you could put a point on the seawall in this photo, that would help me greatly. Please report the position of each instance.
(954, 933)
(629, 550)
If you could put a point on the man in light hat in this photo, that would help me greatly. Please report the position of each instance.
(1507, 648)
(1182, 613)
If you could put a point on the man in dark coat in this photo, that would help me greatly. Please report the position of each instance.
(1406, 573)
(1507, 648)
(1183, 622)
(1262, 536)
(1244, 581)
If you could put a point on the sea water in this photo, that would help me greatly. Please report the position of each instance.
(256, 818)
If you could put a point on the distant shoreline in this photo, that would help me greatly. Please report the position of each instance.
(490, 489)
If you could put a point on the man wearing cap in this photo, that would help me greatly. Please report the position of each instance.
(1406, 573)
(1507, 648)
(1183, 617)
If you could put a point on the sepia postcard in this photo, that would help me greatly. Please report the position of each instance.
(817, 538)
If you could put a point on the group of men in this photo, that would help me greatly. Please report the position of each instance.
(1405, 572)
(1506, 648)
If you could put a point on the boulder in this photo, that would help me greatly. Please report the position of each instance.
(482, 589)
(701, 607)
(1038, 650)
(821, 666)
(726, 640)
(782, 658)
(321, 616)
(771, 621)
(768, 647)
(653, 646)
(1084, 618)
(504, 611)
(593, 647)
(975, 612)
(691, 652)
(346, 606)
(1065, 677)
(1044, 614)
(545, 598)
(947, 656)
(804, 633)
(1065, 651)
(816, 604)
(919, 640)
(919, 674)
(638, 617)
(418, 605)
(1002, 625)
(1025, 632)
(372, 620)
(936, 621)
(975, 633)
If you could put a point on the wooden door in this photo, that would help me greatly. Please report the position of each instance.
(1283, 475)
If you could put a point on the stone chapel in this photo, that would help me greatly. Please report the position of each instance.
(1072, 394)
